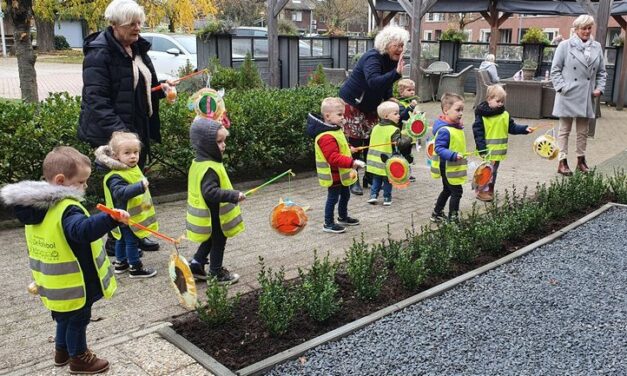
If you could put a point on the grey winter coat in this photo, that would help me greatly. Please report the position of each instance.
(575, 80)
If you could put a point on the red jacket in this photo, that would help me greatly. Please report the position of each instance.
(331, 151)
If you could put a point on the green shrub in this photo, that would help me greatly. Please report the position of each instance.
(277, 302)
(219, 307)
(317, 77)
(410, 269)
(222, 77)
(60, 43)
(362, 269)
(389, 251)
(319, 290)
(430, 246)
(535, 35)
(215, 26)
(249, 75)
(286, 27)
(186, 69)
(453, 35)
(618, 185)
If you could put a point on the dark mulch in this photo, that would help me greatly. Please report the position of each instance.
(244, 340)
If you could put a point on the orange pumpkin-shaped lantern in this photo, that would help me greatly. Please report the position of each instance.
(482, 175)
(430, 149)
(416, 126)
(397, 170)
(287, 218)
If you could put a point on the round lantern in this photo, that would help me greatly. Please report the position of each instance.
(288, 218)
(546, 147)
(397, 170)
(483, 175)
(416, 126)
(182, 280)
(430, 149)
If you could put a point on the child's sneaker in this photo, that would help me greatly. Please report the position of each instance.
(372, 200)
(225, 277)
(138, 271)
(412, 179)
(437, 217)
(387, 201)
(348, 221)
(198, 271)
(334, 228)
(120, 267)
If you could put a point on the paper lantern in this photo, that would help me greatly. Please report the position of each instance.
(430, 149)
(397, 170)
(546, 147)
(483, 175)
(208, 103)
(416, 126)
(182, 279)
(288, 218)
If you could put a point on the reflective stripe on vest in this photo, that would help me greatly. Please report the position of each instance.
(323, 169)
(54, 266)
(140, 207)
(496, 135)
(381, 134)
(456, 171)
(198, 217)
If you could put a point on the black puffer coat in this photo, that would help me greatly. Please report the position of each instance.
(109, 101)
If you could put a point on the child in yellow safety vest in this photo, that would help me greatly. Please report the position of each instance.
(381, 148)
(449, 163)
(125, 187)
(490, 130)
(68, 262)
(213, 212)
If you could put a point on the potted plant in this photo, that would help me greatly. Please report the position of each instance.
(450, 42)
(529, 69)
(533, 42)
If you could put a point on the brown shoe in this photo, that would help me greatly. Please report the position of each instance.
(581, 165)
(87, 364)
(562, 168)
(61, 357)
(485, 196)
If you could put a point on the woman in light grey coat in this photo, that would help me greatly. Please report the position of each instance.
(578, 75)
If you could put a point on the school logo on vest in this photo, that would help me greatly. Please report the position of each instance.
(44, 249)
(194, 198)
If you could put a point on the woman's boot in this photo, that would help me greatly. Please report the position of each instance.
(581, 164)
(562, 168)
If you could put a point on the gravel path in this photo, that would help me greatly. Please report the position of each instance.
(560, 310)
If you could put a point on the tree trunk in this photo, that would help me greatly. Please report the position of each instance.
(45, 35)
(20, 14)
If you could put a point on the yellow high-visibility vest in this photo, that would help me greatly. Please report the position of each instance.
(55, 268)
(381, 134)
(323, 168)
(198, 214)
(140, 207)
(456, 171)
(496, 136)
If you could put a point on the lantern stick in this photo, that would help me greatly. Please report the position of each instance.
(251, 191)
(372, 146)
(115, 214)
(158, 87)
(540, 126)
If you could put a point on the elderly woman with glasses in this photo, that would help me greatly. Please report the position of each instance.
(369, 84)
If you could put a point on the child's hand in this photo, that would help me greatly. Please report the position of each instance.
(241, 197)
(413, 103)
(145, 184)
(459, 157)
(121, 216)
(530, 130)
(357, 164)
(353, 149)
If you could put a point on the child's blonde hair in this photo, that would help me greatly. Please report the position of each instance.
(119, 137)
(448, 99)
(64, 160)
(495, 91)
(405, 84)
(331, 103)
(385, 108)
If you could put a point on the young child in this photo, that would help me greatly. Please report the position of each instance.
(213, 213)
(407, 103)
(67, 259)
(334, 162)
(385, 132)
(449, 163)
(490, 129)
(125, 187)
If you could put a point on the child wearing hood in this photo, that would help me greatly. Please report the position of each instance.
(125, 187)
(449, 163)
(334, 162)
(490, 130)
(213, 212)
(67, 258)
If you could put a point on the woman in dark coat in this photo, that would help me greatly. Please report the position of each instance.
(369, 84)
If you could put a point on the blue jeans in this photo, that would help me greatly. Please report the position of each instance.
(127, 248)
(377, 181)
(336, 193)
(72, 329)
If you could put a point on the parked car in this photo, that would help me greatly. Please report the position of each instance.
(170, 52)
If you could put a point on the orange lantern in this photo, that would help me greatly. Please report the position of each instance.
(483, 175)
(288, 218)
(430, 149)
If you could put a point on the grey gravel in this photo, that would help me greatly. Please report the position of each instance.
(559, 310)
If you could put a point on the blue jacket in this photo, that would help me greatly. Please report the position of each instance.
(371, 81)
(478, 128)
(443, 139)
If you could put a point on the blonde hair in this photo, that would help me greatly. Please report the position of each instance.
(495, 91)
(119, 137)
(448, 99)
(583, 21)
(124, 12)
(385, 108)
(490, 58)
(388, 35)
(331, 103)
(405, 83)
(64, 160)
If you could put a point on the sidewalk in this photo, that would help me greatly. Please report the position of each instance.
(51, 77)
(125, 333)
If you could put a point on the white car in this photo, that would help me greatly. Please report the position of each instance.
(169, 52)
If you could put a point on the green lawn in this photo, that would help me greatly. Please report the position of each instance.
(63, 56)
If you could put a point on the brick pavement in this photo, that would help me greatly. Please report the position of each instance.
(124, 332)
(51, 77)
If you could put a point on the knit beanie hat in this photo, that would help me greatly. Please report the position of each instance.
(202, 135)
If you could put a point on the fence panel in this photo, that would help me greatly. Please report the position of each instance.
(307, 65)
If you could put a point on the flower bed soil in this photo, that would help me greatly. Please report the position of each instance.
(244, 340)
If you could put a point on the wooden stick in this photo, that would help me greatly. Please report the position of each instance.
(251, 191)
(158, 87)
(372, 146)
(115, 214)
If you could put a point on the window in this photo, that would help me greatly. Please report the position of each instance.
(428, 35)
(505, 35)
(612, 33)
(484, 35)
(521, 32)
(468, 35)
(438, 34)
(435, 17)
(161, 44)
(297, 16)
(551, 33)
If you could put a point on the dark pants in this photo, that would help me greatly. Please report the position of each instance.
(127, 248)
(362, 154)
(212, 248)
(377, 183)
(72, 329)
(448, 190)
(336, 193)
